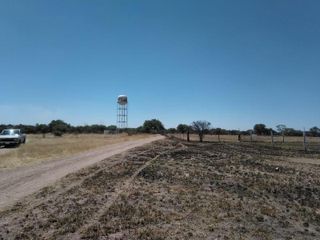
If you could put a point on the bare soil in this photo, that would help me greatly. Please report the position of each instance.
(4, 150)
(177, 190)
(304, 160)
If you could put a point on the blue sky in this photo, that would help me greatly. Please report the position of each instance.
(233, 63)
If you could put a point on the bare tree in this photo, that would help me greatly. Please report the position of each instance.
(281, 128)
(201, 127)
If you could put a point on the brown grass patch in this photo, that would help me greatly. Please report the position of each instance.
(39, 149)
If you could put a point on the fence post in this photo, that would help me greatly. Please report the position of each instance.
(251, 136)
(304, 140)
(272, 138)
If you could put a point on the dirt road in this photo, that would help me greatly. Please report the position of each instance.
(20, 182)
(3, 150)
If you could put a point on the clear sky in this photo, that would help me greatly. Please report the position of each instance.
(233, 63)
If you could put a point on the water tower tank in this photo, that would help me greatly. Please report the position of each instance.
(122, 111)
(122, 99)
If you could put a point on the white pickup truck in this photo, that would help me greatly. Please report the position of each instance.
(12, 137)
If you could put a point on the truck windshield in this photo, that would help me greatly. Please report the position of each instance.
(8, 132)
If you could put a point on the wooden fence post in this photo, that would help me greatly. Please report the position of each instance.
(304, 140)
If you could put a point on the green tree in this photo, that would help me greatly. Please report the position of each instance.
(42, 128)
(293, 132)
(260, 129)
(281, 128)
(112, 129)
(97, 128)
(183, 128)
(58, 127)
(315, 131)
(153, 126)
(172, 130)
(201, 127)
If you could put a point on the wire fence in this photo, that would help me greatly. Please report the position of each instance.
(306, 143)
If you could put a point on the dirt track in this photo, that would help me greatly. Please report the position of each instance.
(3, 150)
(20, 182)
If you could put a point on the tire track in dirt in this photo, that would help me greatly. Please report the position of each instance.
(60, 190)
(45, 209)
(125, 186)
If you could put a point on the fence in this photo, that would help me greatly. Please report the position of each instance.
(305, 143)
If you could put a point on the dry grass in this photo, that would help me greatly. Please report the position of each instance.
(39, 149)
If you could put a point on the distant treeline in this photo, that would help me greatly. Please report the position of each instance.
(258, 129)
(59, 127)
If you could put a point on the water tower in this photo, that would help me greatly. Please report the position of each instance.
(122, 112)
